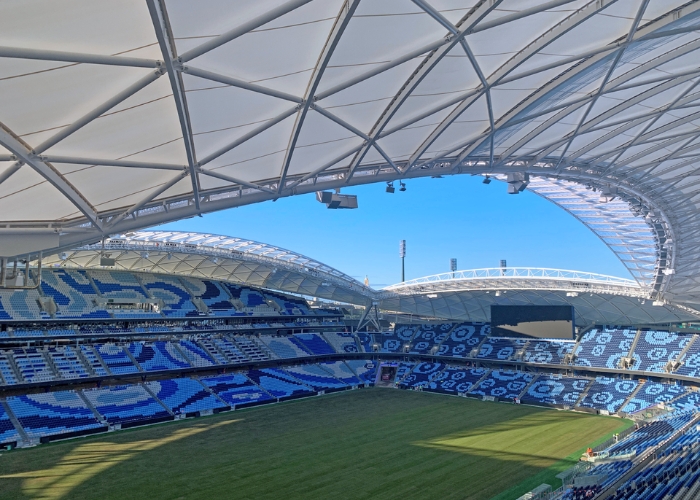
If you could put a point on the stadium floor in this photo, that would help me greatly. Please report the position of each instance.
(371, 443)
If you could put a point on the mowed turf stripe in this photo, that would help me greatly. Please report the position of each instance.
(370, 443)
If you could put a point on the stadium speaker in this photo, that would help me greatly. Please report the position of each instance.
(107, 262)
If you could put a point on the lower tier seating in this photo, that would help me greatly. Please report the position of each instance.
(315, 377)
(185, 395)
(279, 383)
(457, 379)
(609, 394)
(503, 384)
(236, 389)
(125, 403)
(555, 390)
(422, 375)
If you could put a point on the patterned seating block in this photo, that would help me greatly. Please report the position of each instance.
(403, 370)
(423, 373)
(604, 348)
(236, 389)
(252, 349)
(395, 341)
(283, 347)
(463, 339)
(457, 379)
(428, 337)
(184, 395)
(116, 359)
(503, 384)
(555, 390)
(314, 376)
(608, 393)
(195, 355)
(341, 341)
(67, 362)
(175, 297)
(688, 402)
(365, 369)
(52, 413)
(656, 348)
(8, 433)
(157, 356)
(125, 403)
(118, 285)
(366, 341)
(8, 375)
(691, 361)
(653, 393)
(313, 343)
(341, 371)
(500, 348)
(72, 293)
(278, 383)
(550, 352)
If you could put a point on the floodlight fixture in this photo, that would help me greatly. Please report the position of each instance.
(63, 256)
(390, 187)
(487, 180)
(403, 186)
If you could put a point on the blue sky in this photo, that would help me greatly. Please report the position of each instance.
(439, 219)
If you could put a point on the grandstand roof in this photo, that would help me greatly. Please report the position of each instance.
(135, 113)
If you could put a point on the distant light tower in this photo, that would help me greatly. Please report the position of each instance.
(402, 254)
(503, 267)
(453, 267)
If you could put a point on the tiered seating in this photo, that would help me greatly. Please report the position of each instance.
(653, 393)
(22, 304)
(212, 294)
(341, 341)
(184, 395)
(126, 403)
(549, 352)
(503, 384)
(195, 355)
(116, 359)
(608, 394)
(8, 375)
(403, 370)
(209, 346)
(456, 379)
(73, 294)
(253, 300)
(611, 471)
(91, 358)
(67, 362)
(252, 349)
(236, 389)
(283, 347)
(313, 343)
(500, 348)
(422, 374)
(176, 299)
(650, 435)
(53, 413)
(690, 366)
(118, 285)
(656, 348)
(157, 356)
(603, 349)
(279, 383)
(229, 349)
(341, 371)
(365, 369)
(397, 340)
(366, 341)
(463, 339)
(20, 333)
(314, 376)
(428, 337)
(32, 365)
(556, 390)
(8, 433)
(688, 402)
(289, 305)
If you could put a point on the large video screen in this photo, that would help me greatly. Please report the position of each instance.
(544, 322)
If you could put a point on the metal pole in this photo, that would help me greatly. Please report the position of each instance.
(403, 270)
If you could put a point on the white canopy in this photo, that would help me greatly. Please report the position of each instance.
(119, 115)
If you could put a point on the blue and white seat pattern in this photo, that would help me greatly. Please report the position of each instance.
(500, 348)
(125, 403)
(550, 352)
(279, 383)
(464, 338)
(608, 393)
(456, 379)
(653, 393)
(314, 376)
(556, 390)
(604, 349)
(341, 371)
(313, 343)
(236, 389)
(422, 375)
(341, 341)
(365, 369)
(654, 349)
(283, 347)
(185, 395)
(428, 337)
(503, 384)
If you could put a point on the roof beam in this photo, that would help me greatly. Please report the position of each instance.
(166, 42)
(77, 57)
(235, 82)
(341, 22)
(111, 163)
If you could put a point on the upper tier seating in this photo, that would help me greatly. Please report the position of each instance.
(501, 348)
(464, 338)
(341, 341)
(365, 369)
(253, 300)
(341, 371)
(283, 347)
(690, 366)
(423, 373)
(314, 376)
(176, 298)
(457, 379)
(8, 433)
(366, 341)
(67, 362)
(607, 393)
(32, 365)
(556, 390)
(604, 349)
(118, 285)
(279, 383)
(428, 337)
(236, 389)
(155, 356)
(95, 365)
(185, 395)
(73, 294)
(655, 349)
(395, 341)
(212, 294)
(549, 352)
(287, 304)
(52, 413)
(503, 384)
(116, 359)
(21, 304)
(313, 343)
(653, 393)
(125, 403)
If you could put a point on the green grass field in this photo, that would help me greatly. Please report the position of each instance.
(372, 443)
